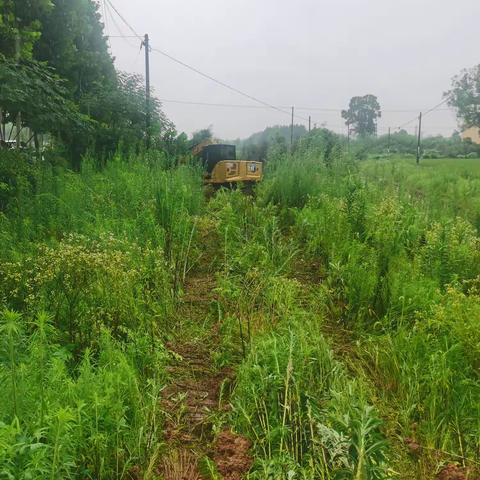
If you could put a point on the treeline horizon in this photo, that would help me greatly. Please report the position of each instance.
(257, 145)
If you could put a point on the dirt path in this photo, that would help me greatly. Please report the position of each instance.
(196, 403)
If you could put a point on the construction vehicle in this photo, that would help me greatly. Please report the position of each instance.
(222, 167)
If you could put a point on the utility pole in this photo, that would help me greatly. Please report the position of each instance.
(388, 148)
(419, 147)
(146, 44)
(309, 123)
(348, 137)
(291, 130)
(19, 115)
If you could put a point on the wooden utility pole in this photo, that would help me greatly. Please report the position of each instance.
(309, 123)
(388, 148)
(419, 146)
(291, 130)
(19, 115)
(348, 137)
(146, 44)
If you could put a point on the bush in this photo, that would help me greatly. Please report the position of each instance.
(17, 178)
(92, 421)
(90, 285)
(431, 154)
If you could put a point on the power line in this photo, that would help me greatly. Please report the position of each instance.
(233, 105)
(123, 20)
(430, 110)
(207, 104)
(223, 84)
(117, 27)
(199, 72)
(437, 106)
(407, 123)
(240, 92)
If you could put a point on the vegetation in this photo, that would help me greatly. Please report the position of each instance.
(92, 263)
(403, 144)
(361, 116)
(361, 282)
(77, 98)
(323, 328)
(465, 96)
(256, 146)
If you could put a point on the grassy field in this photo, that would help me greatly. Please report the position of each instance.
(325, 328)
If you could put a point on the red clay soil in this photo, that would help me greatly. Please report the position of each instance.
(231, 455)
(454, 472)
(414, 448)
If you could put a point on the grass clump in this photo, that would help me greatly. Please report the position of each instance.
(306, 418)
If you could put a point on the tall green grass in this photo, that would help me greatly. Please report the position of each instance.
(306, 418)
(396, 249)
(95, 420)
(93, 266)
(90, 270)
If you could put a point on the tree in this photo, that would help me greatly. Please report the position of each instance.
(73, 43)
(201, 136)
(119, 112)
(362, 115)
(67, 36)
(20, 26)
(33, 89)
(465, 97)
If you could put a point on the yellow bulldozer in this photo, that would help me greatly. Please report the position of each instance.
(222, 168)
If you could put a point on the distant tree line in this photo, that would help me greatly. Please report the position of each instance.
(403, 143)
(261, 145)
(361, 118)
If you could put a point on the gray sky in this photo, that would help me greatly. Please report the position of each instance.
(307, 53)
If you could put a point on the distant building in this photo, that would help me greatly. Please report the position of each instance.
(473, 133)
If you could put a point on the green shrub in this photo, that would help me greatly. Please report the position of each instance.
(94, 421)
(88, 285)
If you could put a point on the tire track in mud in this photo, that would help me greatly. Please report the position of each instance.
(197, 396)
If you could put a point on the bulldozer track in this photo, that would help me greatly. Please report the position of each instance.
(194, 402)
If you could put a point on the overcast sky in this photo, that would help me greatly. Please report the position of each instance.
(307, 53)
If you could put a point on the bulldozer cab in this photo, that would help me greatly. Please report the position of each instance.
(212, 154)
(223, 169)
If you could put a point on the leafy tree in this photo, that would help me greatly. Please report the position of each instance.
(200, 136)
(67, 35)
(119, 113)
(465, 96)
(72, 42)
(270, 133)
(257, 146)
(34, 89)
(20, 22)
(362, 115)
(323, 142)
